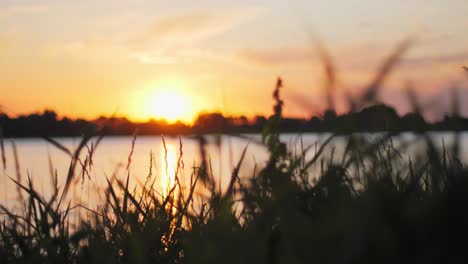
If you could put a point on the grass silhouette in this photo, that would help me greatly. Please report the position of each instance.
(371, 205)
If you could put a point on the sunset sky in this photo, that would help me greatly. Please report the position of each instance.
(88, 58)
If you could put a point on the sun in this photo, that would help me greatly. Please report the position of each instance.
(170, 105)
(171, 99)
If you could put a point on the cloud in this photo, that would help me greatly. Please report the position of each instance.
(355, 58)
(185, 28)
(278, 56)
(170, 39)
(161, 57)
(430, 60)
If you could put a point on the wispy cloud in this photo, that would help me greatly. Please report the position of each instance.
(161, 57)
(278, 56)
(358, 57)
(174, 38)
(181, 29)
(305, 54)
(430, 60)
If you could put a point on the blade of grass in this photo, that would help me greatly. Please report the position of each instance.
(2, 149)
(370, 92)
(235, 172)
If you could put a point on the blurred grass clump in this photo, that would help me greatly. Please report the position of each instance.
(370, 205)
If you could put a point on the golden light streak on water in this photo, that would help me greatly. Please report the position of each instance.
(169, 163)
(168, 168)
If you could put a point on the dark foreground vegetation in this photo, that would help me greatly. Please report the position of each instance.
(369, 205)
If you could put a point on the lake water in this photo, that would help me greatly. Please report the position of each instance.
(111, 157)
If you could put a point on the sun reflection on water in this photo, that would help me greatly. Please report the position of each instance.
(169, 171)
(168, 168)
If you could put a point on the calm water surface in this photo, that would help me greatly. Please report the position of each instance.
(111, 158)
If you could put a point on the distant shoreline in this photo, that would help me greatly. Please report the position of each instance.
(373, 119)
(322, 133)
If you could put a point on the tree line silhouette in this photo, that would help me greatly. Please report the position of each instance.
(374, 118)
